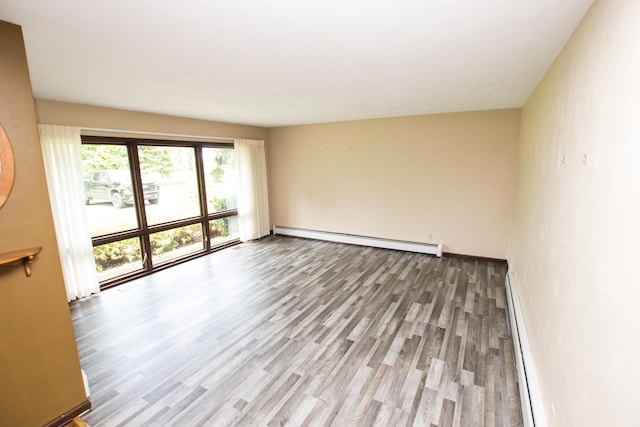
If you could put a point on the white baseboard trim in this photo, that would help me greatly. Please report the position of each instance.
(533, 414)
(400, 245)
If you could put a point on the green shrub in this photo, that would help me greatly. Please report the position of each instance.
(219, 204)
(126, 251)
(115, 254)
(219, 227)
(166, 241)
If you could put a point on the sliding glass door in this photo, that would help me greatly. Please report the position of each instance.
(154, 203)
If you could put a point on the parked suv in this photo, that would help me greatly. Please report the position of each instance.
(115, 185)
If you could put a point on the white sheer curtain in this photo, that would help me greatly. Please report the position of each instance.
(61, 150)
(253, 202)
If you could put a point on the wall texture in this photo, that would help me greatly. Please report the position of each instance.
(575, 241)
(40, 375)
(448, 175)
(88, 116)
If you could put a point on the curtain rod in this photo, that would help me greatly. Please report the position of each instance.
(137, 132)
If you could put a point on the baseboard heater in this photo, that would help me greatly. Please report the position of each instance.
(400, 245)
(533, 414)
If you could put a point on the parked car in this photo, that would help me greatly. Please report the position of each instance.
(115, 185)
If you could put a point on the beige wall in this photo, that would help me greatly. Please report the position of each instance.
(40, 375)
(449, 175)
(576, 230)
(87, 116)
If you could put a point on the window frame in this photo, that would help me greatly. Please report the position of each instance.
(144, 230)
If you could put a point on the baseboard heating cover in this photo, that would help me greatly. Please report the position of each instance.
(532, 406)
(400, 245)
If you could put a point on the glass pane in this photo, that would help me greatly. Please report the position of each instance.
(117, 258)
(107, 189)
(177, 242)
(223, 230)
(170, 183)
(221, 178)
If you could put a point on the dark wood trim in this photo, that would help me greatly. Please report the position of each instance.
(119, 280)
(115, 237)
(175, 224)
(222, 214)
(141, 213)
(141, 273)
(202, 196)
(66, 418)
(153, 141)
(225, 245)
(474, 258)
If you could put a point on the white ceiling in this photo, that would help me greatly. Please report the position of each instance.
(282, 62)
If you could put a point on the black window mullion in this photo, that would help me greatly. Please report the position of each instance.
(202, 191)
(134, 160)
(222, 214)
(174, 224)
(114, 237)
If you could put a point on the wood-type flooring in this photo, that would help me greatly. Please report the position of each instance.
(287, 331)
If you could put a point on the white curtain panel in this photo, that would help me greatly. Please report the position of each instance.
(61, 149)
(253, 202)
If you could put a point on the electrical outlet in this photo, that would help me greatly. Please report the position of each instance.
(429, 237)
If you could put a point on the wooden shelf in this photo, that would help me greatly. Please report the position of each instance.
(24, 255)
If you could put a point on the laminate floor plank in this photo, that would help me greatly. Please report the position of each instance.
(288, 331)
